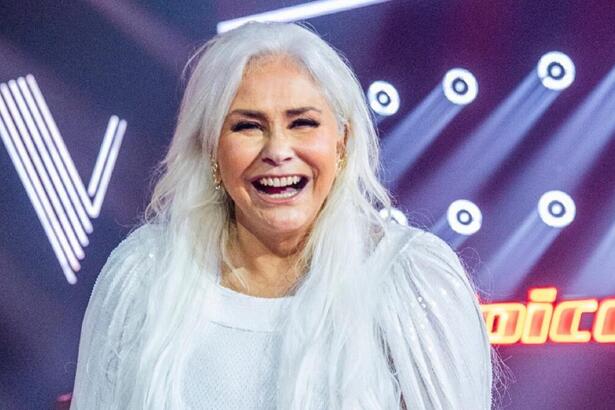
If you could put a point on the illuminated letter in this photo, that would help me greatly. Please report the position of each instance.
(504, 321)
(604, 324)
(566, 319)
(539, 313)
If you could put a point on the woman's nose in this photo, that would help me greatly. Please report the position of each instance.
(278, 148)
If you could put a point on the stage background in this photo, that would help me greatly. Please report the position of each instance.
(95, 59)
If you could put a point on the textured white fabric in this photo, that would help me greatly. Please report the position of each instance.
(428, 313)
(235, 364)
(434, 326)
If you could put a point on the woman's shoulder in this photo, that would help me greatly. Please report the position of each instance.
(420, 262)
(143, 242)
(418, 254)
(429, 300)
(128, 265)
(401, 243)
(113, 314)
(144, 239)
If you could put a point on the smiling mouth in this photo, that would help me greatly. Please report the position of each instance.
(280, 187)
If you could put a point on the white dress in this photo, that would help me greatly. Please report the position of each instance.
(428, 312)
(242, 331)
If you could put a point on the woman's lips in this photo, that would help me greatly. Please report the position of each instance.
(280, 195)
(278, 180)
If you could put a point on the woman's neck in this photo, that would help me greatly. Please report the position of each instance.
(267, 264)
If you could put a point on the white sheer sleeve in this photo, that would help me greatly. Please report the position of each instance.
(434, 328)
(109, 319)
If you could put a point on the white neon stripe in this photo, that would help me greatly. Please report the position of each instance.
(59, 142)
(78, 206)
(108, 169)
(38, 208)
(21, 115)
(74, 263)
(30, 133)
(102, 155)
(66, 234)
(75, 226)
(299, 12)
(92, 207)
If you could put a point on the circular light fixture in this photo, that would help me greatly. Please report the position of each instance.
(555, 70)
(464, 217)
(383, 98)
(397, 215)
(460, 86)
(556, 209)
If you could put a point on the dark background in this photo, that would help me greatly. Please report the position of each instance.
(93, 59)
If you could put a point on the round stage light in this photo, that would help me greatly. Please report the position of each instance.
(556, 209)
(555, 70)
(397, 215)
(460, 86)
(464, 217)
(383, 98)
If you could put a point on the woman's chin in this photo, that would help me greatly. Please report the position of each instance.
(284, 227)
(278, 222)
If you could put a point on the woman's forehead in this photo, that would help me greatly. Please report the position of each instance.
(278, 85)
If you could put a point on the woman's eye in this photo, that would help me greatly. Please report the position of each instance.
(305, 122)
(244, 125)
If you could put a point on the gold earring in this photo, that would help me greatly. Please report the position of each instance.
(340, 163)
(215, 174)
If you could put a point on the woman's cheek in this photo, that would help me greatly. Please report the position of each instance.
(239, 155)
(321, 149)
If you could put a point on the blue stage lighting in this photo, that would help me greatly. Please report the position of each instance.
(464, 217)
(397, 215)
(556, 209)
(556, 70)
(383, 98)
(460, 86)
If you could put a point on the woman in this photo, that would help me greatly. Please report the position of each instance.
(265, 277)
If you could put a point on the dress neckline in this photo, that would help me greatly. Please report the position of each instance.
(234, 293)
(237, 310)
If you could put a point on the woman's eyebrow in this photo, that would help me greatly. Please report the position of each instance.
(249, 113)
(291, 112)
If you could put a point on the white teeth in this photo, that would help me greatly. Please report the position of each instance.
(287, 194)
(280, 182)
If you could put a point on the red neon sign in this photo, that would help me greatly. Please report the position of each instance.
(542, 319)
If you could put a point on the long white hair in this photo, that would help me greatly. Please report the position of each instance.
(332, 354)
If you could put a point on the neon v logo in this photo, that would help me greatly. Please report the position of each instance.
(48, 173)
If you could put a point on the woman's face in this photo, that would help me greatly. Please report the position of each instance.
(278, 148)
